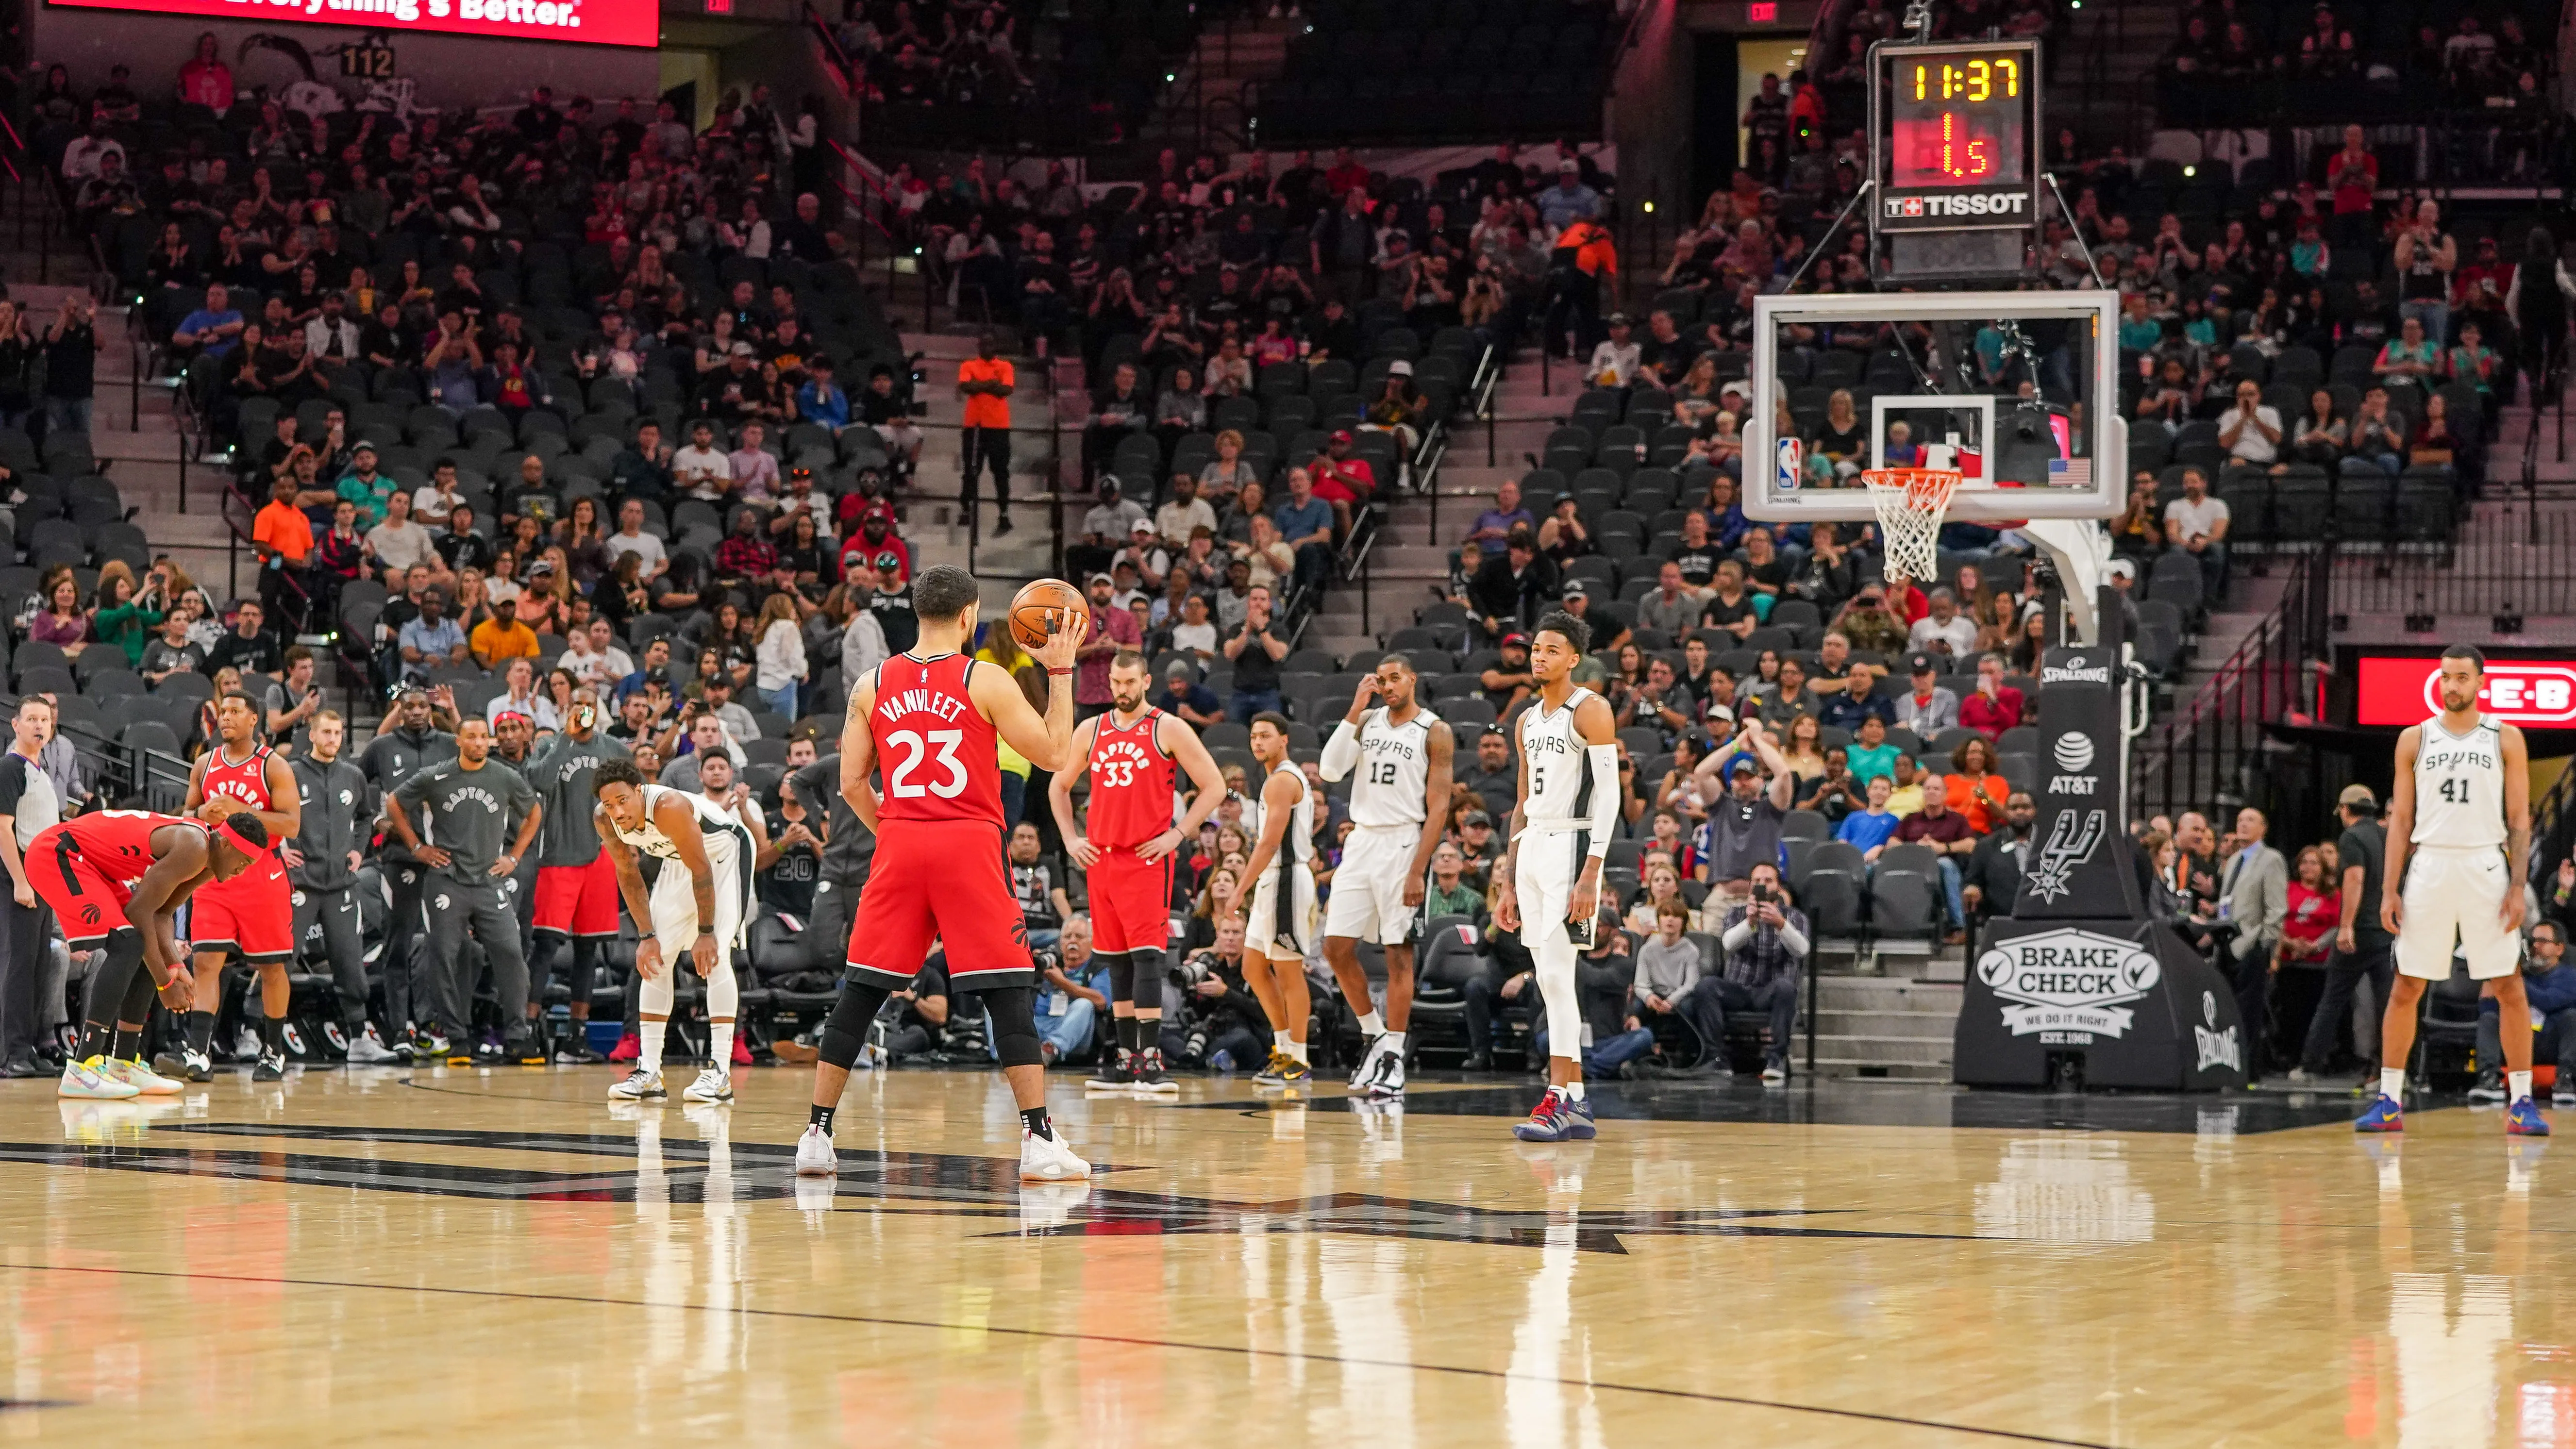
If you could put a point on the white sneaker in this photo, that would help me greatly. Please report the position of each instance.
(1386, 1079)
(640, 1085)
(1368, 1063)
(142, 1078)
(369, 1050)
(715, 1084)
(814, 1154)
(248, 1046)
(90, 1079)
(1049, 1159)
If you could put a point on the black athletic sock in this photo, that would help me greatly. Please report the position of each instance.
(126, 1045)
(822, 1118)
(1126, 1032)
(272, 1035)
(1035, 1120)
(201, 1031)
(95, 1040)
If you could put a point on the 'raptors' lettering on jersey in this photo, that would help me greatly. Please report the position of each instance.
(245, 783)
(1132, 800)
(937, 756)
(2459, 786)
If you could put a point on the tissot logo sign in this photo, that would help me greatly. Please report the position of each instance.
(2532, 693)
(1959, 206)
(592, 22)
(2069, 980)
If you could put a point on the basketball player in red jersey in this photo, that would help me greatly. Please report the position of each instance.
(928, 720)
(116, 879)
(1127, 855)
(252, 914)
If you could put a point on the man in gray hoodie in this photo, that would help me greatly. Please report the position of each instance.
(322, 866)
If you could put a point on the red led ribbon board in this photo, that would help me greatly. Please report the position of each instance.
(586, 22)
(2533, 693)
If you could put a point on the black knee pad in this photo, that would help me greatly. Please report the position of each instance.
(1122, 973)
(846, 1029)
(1144, 984)
(1015, 1024)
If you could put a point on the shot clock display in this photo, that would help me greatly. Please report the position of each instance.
(1954, 135)
(1958, 120)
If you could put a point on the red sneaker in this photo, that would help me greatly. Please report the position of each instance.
(629, 1047)
(741, 1053)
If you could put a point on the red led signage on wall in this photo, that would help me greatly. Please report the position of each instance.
(2532, 693)
(589, 22)
(1762, 12)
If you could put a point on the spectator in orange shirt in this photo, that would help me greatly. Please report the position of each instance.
(283, 538)
(984, 384)
(502, 637)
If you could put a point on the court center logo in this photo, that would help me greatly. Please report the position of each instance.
(2073, 837)
(2069, 980)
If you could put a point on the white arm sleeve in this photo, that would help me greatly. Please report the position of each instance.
(1341, 752)
(1604, 761)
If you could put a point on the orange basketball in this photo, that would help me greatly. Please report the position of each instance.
(1045, 607)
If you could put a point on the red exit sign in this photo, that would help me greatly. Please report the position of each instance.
(1762, 12)
(719, 7)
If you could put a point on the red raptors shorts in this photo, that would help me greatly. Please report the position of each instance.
(253, 913)
(943, 880)
(86, 903)
(578, 900)
(1131, 902)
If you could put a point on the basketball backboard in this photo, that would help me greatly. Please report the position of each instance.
(2019, 389)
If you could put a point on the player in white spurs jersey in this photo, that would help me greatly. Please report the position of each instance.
(1550, 876)
(1398, 805)
(700, 907)
(2460, 814)
(1280, 921)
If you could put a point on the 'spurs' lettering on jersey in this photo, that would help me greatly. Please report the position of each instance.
(1394, 771)
(2459, 786)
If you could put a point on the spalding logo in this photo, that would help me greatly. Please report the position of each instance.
(2074, 750)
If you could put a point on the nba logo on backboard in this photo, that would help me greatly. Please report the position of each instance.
(1792, 453)
(1905, 206)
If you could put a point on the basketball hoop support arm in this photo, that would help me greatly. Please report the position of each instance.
(2081, 549)
(2074, 229)
(1818, 249)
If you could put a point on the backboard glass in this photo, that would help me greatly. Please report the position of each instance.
(2020, 387)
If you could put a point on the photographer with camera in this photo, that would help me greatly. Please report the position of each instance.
(1220, 1024)
(1763, 945)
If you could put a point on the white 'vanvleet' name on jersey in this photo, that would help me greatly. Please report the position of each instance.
(921, 701)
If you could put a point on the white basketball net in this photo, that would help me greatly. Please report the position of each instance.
(1910, 503)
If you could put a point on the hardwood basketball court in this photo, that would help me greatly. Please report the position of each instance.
(496, 1255)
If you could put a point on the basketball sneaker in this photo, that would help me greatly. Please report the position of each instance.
(142, 1078)
(628, 1048)
(741, 1051)
(91, 1080)
(1283, 1071)
(640, 1086)
(2523, 1119)
(715, 1084)
(575, 1050)
(1048, 1159)
(367, 1049)
(1381, 1076)
(1556, 1118)
(2489, 1087)
(1151, 1079)
(2385, 1115)
(814, 1154)
(271, 1067)
(188, 1064)
(1368, 1062)
(1115, 1075)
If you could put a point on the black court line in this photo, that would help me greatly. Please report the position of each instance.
(2014, 1436)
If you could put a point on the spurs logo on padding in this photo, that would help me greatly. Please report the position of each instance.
(2071, 842)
